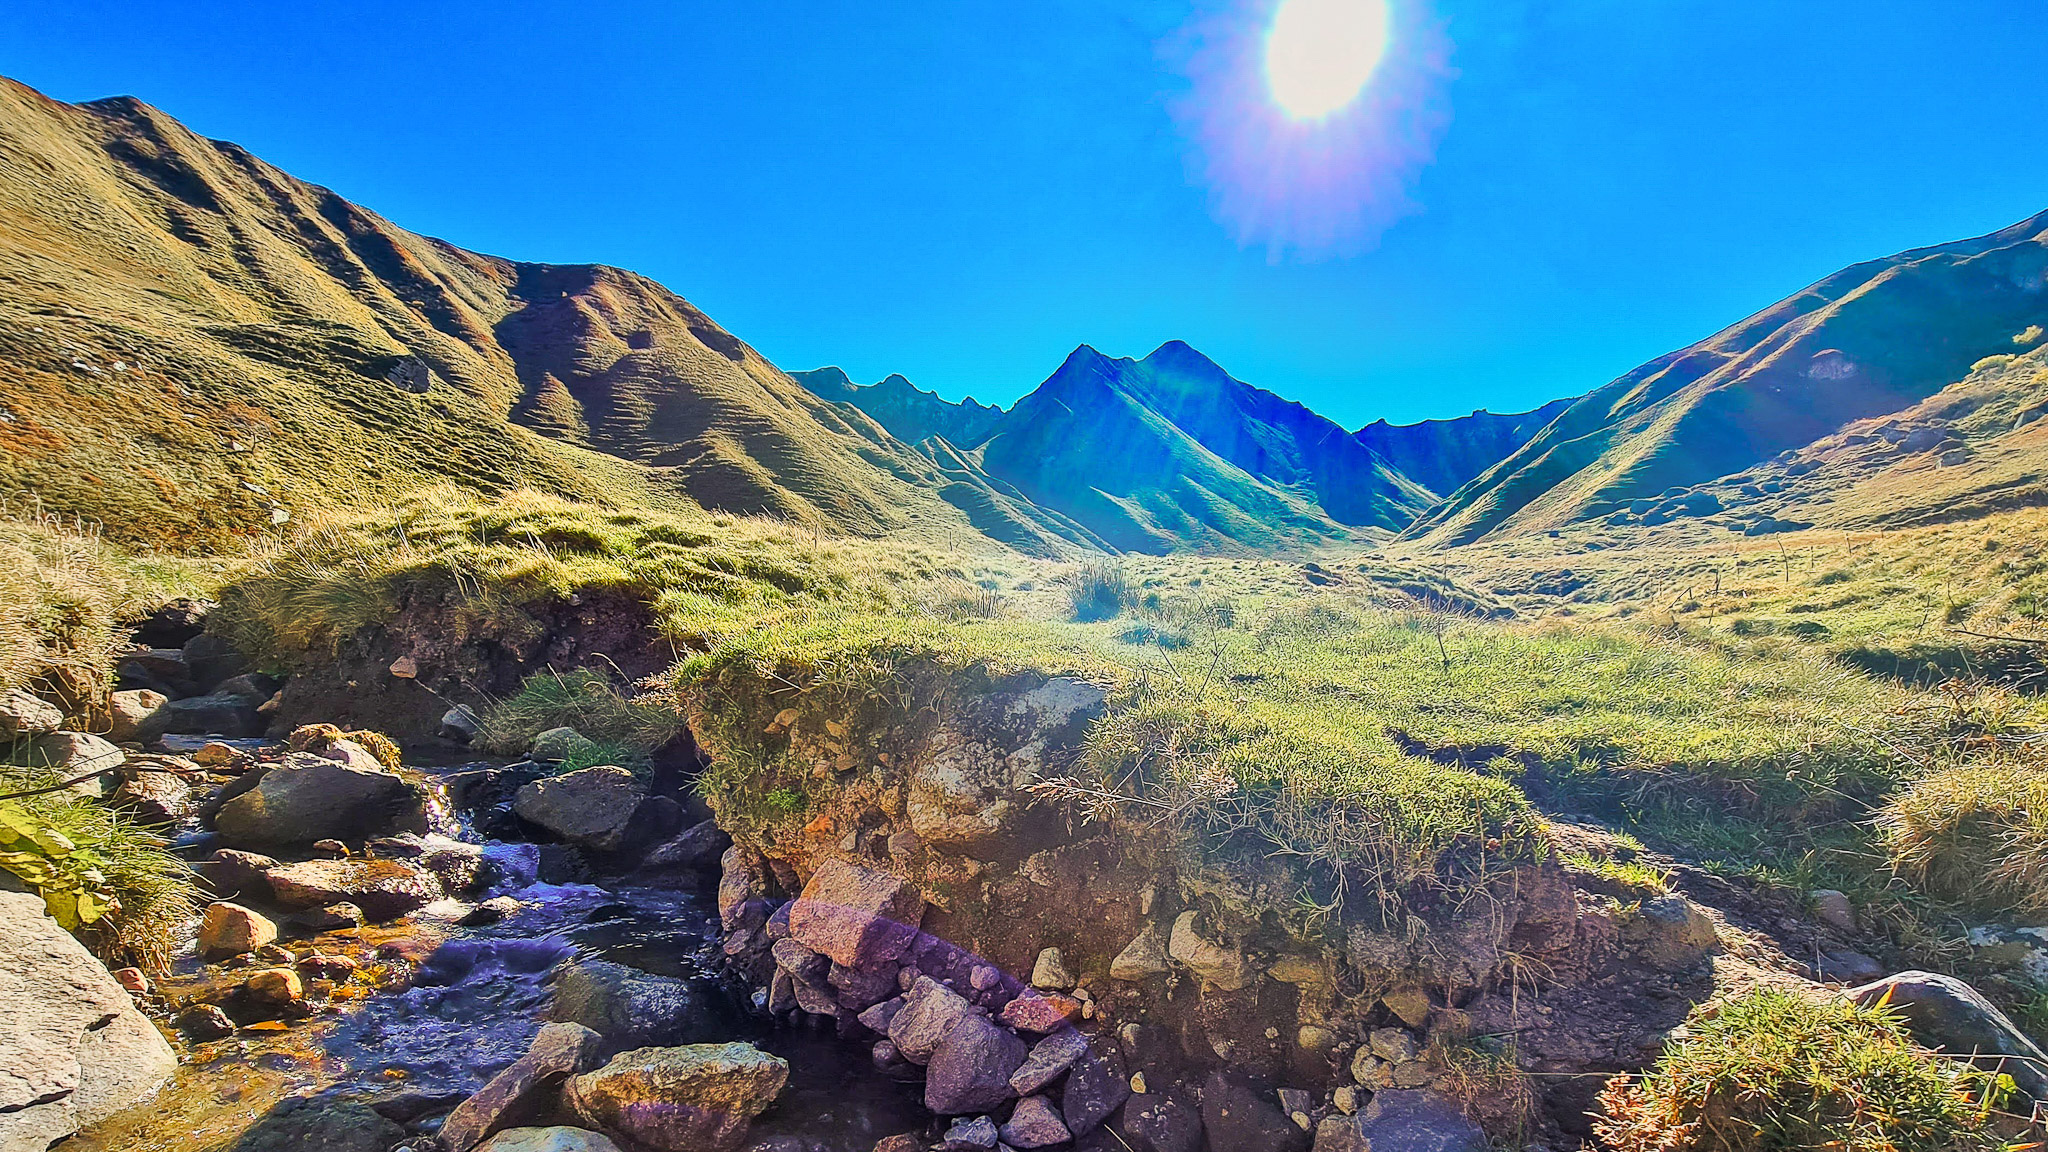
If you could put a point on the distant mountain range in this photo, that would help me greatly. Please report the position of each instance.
(194, 344)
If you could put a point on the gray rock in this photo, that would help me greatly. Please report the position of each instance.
(210, 660)
(1143, 957)
(132, 715)
(1417, 1121)
(24, 717)
(1035, 1124)
(555, 1139)
(628, 1007)
(1218, 966)
(1096, 1087)
(74, 1048)
(1235, 1116)
(461, 724)
(69, 754)
(234, 873)
(153, 797)
(591, 807)
(254, 687)
(1673, 932)
(1948, 1015)
(697, 847)
(1833, 909)
(320, 1126)
(1050, 971)
(231, 716)
(310, 797)
(1048, 1058)
(971, 1069)
(969, 1133)
(930, 1011)
(1160, 1124)
(685, 1099)
(518, 1094)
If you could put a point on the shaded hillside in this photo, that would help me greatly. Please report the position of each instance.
(1170, 451)
(1441, 455)
(1870, 340)
(908, 413)
(193, 343)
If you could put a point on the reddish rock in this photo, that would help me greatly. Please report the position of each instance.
(857, 916)
(1041, 1012)
(229, 929)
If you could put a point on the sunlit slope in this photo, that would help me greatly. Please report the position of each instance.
(192, 340)
(1871, 340)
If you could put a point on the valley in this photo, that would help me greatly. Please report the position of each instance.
(458, 703)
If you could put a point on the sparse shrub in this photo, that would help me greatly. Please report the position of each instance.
(1976, 834)
(584, 699)
(1770, 1071)
(1145, 635)
(62, 599)
(603, 753)
(1998, 360)
(1100, 590)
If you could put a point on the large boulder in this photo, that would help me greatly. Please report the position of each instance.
(72, 1045)
(383, 889)
(132, 715)
(695, 1098)
(1948, 1015)
(591, 807)
(930, 1010)
(231, 716)
(24, 716)
(628, 1007)
(310, 797)
(971, 1069)
(71, 754)
(518, 1094)
(856, 915)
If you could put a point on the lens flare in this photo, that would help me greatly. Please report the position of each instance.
(1320, 53)
(1309, 120)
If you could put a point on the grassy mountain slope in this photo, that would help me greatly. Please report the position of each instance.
(193, 343)
(1169, 451)
(1441, 455)
(910, 415)
(1873, 339)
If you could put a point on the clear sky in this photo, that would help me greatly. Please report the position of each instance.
(1530, 197)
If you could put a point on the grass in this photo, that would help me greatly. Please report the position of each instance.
(1975, 834)
(621, 726)
(1769, 1070)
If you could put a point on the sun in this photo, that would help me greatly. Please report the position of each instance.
(1320, 53)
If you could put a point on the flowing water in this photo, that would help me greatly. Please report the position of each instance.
(437, 1008)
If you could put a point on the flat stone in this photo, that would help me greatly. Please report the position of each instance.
(1417, 1121)
(1096, 1086)
(556, 1139)
(1236, 1116)
(1040, 1012)
(1160, 1124)
(231, 716)
(856, 915)
(24, 716)
(592, 807)
(693, 1098)
(628, 1007)
(1392, 1044)
(971, 1069)
(383, 889)
(310, 797)
(1143, 957)
(1047, 1060)
(1035, 1124)
(518, 1093)
(320, 1126)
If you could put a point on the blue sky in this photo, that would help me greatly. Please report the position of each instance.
(963, 191)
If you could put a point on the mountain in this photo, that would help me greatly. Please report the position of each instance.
(1873, 340)
(1441, 455)
(1171, 452)
(909, 414)
(196, 343)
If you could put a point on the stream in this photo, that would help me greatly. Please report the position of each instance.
(436, 1008)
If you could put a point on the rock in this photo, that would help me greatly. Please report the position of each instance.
(173, 624)
(697, 847)
(332, 917)
(331, 849)
(856, 915)
(320, 1126)
(1041, 1014)
(491, 912)
(460, 724)
(232, 873)
(1673, 932)
(1948, 1015)
(161, 669)
(229, 929)
(215, 754)
(1409, 1005)
(1416, 1121)
(1218, 967)
(69, 754)
(1035, 1124)
(210, 660)
(971, 1068)
(695, 1098)
(1296, 1105)
(592, 807)
(274, 987)
(1847, 967)
(1160, 1124)
(1095, 1087)
(324, 966)
(862, 988)
(1143, 957)
(348, 753)
(556, 1139)
(204, 1022)
(24, 716)
(383, 889)
(1234, 1116)
(231, 716)
(901, 1142)
(930, 1011)
(154, 797)
(1345, 1098)
(456, 864)
(558, 744)
(133, 979)
(519, 1093)
(252, 686)
(73, 1046)
(1392, 1044)
(1050, 972)
(1047, 1059)
(132, 715)
(310, 797)
(628, 1007)
(969, 1133)
(1339, 1132)
(1833, 909)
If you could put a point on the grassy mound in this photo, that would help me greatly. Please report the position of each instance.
(1778, 1072)
(1976, 834)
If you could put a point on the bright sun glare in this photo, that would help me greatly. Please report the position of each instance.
(1320, 53)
